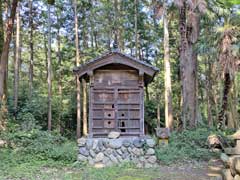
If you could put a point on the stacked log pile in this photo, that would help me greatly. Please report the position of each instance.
(231, 159)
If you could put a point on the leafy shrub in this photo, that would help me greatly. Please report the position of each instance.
(42, 145)
(186, 145)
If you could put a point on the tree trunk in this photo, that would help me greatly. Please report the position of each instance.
(49, 70)
(5, 50)
(222, 116)
(209, 93)
(1, 27)
(77, 78)
(188, 72)
(167, 75)
(17, 61)
(31, 48)
(59, 59)
(136, 28)
(85, 122)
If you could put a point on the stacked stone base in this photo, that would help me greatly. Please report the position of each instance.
(102, 152)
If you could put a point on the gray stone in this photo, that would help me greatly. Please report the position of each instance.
(100, 145)
(83, 151)
(152, 159)
(119, 151)
(119, 158)
(148, 165)
(138, 142)
(150, 151)
(137, 151)
(81, 142)
(125, 155)
(126, 143)
(115, 143)
(113, 135)
(99, 157)
(105, 160)
(92, 153)
(89, 143)
(97, 150)
(123, 149)
(113, 159)
(139, 165)
(142, 159)
(95, 144)
(129, 149)
(82, 158)
(108, 151)
(150, 142)
(91, 162)
(105, 143)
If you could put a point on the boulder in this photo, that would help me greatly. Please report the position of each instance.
(2, 143)
(89, 143)
(150, 143)
(92, 153)
(83, 151)
(150, 151)
(152, 159)
(94, 144)
(137, 151)
(82, 158)
(126, 143)
(81, 142)
(113, 159)
(115, 143)
(114, 135)
(99, 157)
(138, 142)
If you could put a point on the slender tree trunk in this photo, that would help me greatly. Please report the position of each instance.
(31, 48)
(5, 50)
(209, 93)
(1, 27)
(222, 116)
(17, 61)
(85, 122)
(183, 50)
(49, 70)
(136, 28)
(77, 78)
(167, 66)
(60, 76)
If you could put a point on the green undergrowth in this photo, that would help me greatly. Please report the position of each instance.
(188, 145)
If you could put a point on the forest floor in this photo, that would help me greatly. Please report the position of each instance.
(46, 171)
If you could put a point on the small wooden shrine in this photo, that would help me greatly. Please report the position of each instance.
(116, 95)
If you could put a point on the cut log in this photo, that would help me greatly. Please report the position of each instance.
(225, 159)
(226, 173)
(236, 164)
(237, 177)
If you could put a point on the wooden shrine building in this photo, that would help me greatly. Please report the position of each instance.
(116, 95)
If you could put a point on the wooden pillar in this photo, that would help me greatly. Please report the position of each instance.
(78, 107)
(91, 84)
(141, 87)
(85, 122)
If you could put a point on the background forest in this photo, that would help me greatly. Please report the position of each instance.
(194, 43)
(139, 27)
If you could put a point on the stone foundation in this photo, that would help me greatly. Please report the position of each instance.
(101, 152)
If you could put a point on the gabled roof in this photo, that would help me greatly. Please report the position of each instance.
(116, 57)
